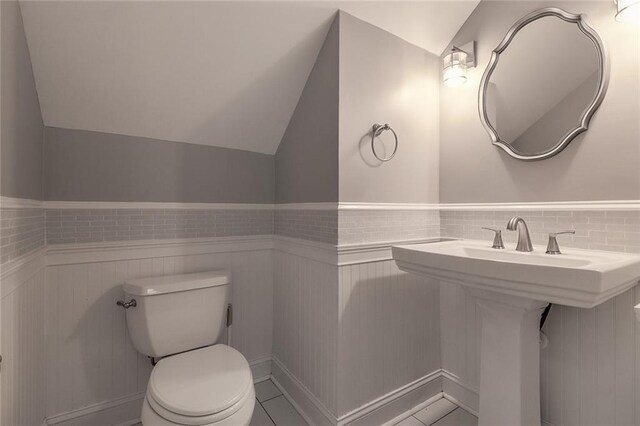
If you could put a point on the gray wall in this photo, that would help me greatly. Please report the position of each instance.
(602, 164)
(307, 158)
(21, 121)
(384, 79)
(91, 166)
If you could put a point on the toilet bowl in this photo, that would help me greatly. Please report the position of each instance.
(208, 386)
(179, 319)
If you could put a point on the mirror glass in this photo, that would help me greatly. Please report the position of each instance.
(542, 86)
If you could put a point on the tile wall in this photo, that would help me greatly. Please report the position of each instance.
(68, 226)
(22, 230)
(597, 230)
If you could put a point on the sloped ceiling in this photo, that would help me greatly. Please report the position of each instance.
(224, 74)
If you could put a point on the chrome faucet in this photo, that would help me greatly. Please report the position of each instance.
(524, 240)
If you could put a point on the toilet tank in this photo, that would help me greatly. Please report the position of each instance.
(177, 313)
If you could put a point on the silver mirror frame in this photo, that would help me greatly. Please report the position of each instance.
(603, 81)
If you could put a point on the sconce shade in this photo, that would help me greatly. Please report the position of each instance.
(455, 68)
(628, 11)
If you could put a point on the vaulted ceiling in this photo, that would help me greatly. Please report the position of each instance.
(224, 74)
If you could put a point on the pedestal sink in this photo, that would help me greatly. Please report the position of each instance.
(512, 288)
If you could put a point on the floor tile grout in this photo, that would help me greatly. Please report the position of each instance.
(273, 397)
(265, 410)
(437, 420)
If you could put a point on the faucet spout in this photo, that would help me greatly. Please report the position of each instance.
(524, 240)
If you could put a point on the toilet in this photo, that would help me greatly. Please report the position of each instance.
(197, 381)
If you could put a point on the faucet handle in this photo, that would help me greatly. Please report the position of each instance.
(552, 245)
(497, 238)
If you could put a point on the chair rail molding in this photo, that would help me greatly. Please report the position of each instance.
(11, 202)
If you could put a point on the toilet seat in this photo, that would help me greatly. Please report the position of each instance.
(178, 419)
(200, 387)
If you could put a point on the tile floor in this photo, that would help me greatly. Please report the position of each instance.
(273, 409)
(441, 413)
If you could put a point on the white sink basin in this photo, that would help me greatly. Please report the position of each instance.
(581, 278)
(511, 290)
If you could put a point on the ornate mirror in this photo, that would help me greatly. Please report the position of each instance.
(543, 84)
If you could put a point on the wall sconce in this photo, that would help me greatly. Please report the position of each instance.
(456, 62)
(628, 11)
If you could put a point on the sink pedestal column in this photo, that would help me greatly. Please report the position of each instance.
(509, 360)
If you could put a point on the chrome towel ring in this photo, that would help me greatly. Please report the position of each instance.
(376, 130)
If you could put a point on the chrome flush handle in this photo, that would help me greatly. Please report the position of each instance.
(552, 245)
(497, 238)
(130, 304)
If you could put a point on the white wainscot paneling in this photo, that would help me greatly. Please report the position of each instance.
(349, 340)
(23, 351)
(90, 358)
(306, 325)
(389, 332)
(590, 371)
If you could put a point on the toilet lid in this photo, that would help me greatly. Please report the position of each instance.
(201, 382)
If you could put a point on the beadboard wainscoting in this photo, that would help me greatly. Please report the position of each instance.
(90, 358)
(23, 342)
(305, 339)
(346, 348)
(355, 340)
(389, 331)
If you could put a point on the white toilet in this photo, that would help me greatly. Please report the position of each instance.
(197, 382)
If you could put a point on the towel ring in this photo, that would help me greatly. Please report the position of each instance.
(376, 130)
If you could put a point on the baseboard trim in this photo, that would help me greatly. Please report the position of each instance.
(119, 411)
(460, 393)
(310, 408)
(464, 395)
(406, 398)
(260, 369)
(414, 410)
(413, 396)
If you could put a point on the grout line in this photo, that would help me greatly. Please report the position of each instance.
(417, 420)
(273, 397)
(265, 410)
(450, 412)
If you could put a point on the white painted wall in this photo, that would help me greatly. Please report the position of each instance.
(215, 73)
(601, 164)
(384, 79)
